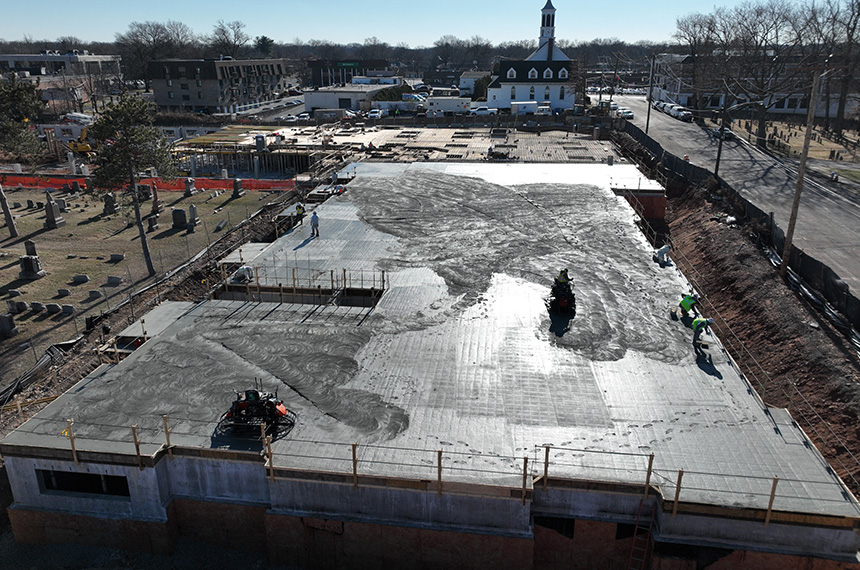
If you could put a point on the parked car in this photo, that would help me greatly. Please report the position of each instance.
(728, 135)
(625, 113)
(291, 119)
(304, 117)
(483, 111)
(376, 114)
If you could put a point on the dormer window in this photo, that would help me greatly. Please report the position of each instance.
(533, 73)
(562, 74)
(547, 74)
(512, 74)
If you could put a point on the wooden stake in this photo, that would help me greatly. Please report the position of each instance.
(167, 436)
(545, 465)
(115, 352)
(648, 476)
(439, 471)
(71, 436)
(770, 502)
(677, 492)
(137, 447)
(281, 292)
(525, 476)
(344, 277)
(331, 272)
(271, 459)
(354, 467)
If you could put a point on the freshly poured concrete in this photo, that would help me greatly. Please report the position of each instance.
(461, 354)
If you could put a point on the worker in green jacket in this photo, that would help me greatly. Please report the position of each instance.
(688, 303)
(700, 325)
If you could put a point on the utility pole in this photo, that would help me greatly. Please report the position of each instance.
(614, 76)
(650, 101)
(801, 172)
(721, 135)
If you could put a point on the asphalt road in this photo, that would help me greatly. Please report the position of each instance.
(828, 225)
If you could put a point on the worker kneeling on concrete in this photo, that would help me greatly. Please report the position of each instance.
(688, 303)
(700, 325)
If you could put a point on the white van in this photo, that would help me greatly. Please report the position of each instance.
(544, 110)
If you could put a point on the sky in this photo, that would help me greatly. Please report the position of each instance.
(340, 21)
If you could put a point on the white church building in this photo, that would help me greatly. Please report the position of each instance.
(546, 76)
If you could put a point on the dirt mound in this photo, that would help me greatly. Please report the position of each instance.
(793, 356)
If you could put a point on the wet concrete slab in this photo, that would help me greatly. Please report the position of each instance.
(461, 354)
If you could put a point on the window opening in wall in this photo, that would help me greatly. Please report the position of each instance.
(87, 483)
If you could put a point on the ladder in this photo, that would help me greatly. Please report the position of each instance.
(640, 549)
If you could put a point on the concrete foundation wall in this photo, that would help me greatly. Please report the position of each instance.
(593, 545)
(402, 506)
(144, 503)
(328, 544)
(32, 526)
(217, 480)
(236, 526)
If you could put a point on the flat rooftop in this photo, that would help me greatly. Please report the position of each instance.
(460, 354)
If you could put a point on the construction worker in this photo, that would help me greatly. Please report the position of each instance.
(700, 325)
(300, 212)
(563, 277)
(688, 303)
(315, 225)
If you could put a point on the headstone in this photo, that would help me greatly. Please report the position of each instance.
(30, 247)
(114, 280)
(7, 326)
(156, 203)
(144, 192)
(12, 307)
(152, 224)
(62, 205)
(76, 186)
(88, 185)
(95, 294)
(81, 278)
(14, 293)
(16, 168)
(190, 190)
(221, 225)
(21, 306)
(116, 257)
(68, 309)
(110, 204)
(40, 205)
(63, 292)
(7, 214)
(53, 308)
(16, 205)
(30, 204)
(237, 188)
(37, 307)
(224, 173)
(31, 267)
(179, 220)
(193, 218)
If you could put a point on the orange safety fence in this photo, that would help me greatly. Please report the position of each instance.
(30, 181)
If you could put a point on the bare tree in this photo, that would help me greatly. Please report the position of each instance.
(695, 33)
(448, 50)
(229, 38)
(373, 49)
(479, 52)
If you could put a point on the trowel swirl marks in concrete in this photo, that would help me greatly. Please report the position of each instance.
(467, 229)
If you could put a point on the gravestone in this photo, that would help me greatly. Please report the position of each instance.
(76, 186)
(16, 205)
(21, 306)
(221, 225)
(190, 190)
(180, 222)
(63, 292)
(193, 218)
(62, 205)
(53, 308)
(37, 307)
(30, 204)
(110, 204)
(237, 188)
(7, 214)
(30, 247)
(14, 293)
(156, 203)
(95, 294)
(53, 219)
(31, 267)
(7, 326)
(116, 257)
(68, 309)
(152, 224)
(40, 205)
(79, 279)
(114, 280)
(12, 307)
(144, 192)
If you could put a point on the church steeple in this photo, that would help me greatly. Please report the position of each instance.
(547, 29)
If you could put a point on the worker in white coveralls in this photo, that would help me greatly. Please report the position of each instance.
(315, 225)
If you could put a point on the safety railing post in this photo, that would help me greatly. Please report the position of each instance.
(545, 466)
(439, 472)
(677, 492)
(137, 447)
(525, 476)
(770, 502)
(648, 476)
(354, 466)
(167, 436)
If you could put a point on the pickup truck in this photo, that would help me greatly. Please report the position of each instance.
(483, 111)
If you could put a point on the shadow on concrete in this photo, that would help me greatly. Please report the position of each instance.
(304, 243)
(560, 324)
(706, 363)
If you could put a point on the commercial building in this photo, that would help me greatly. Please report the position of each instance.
(326, 72)
(216, 85)
(444, 417)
